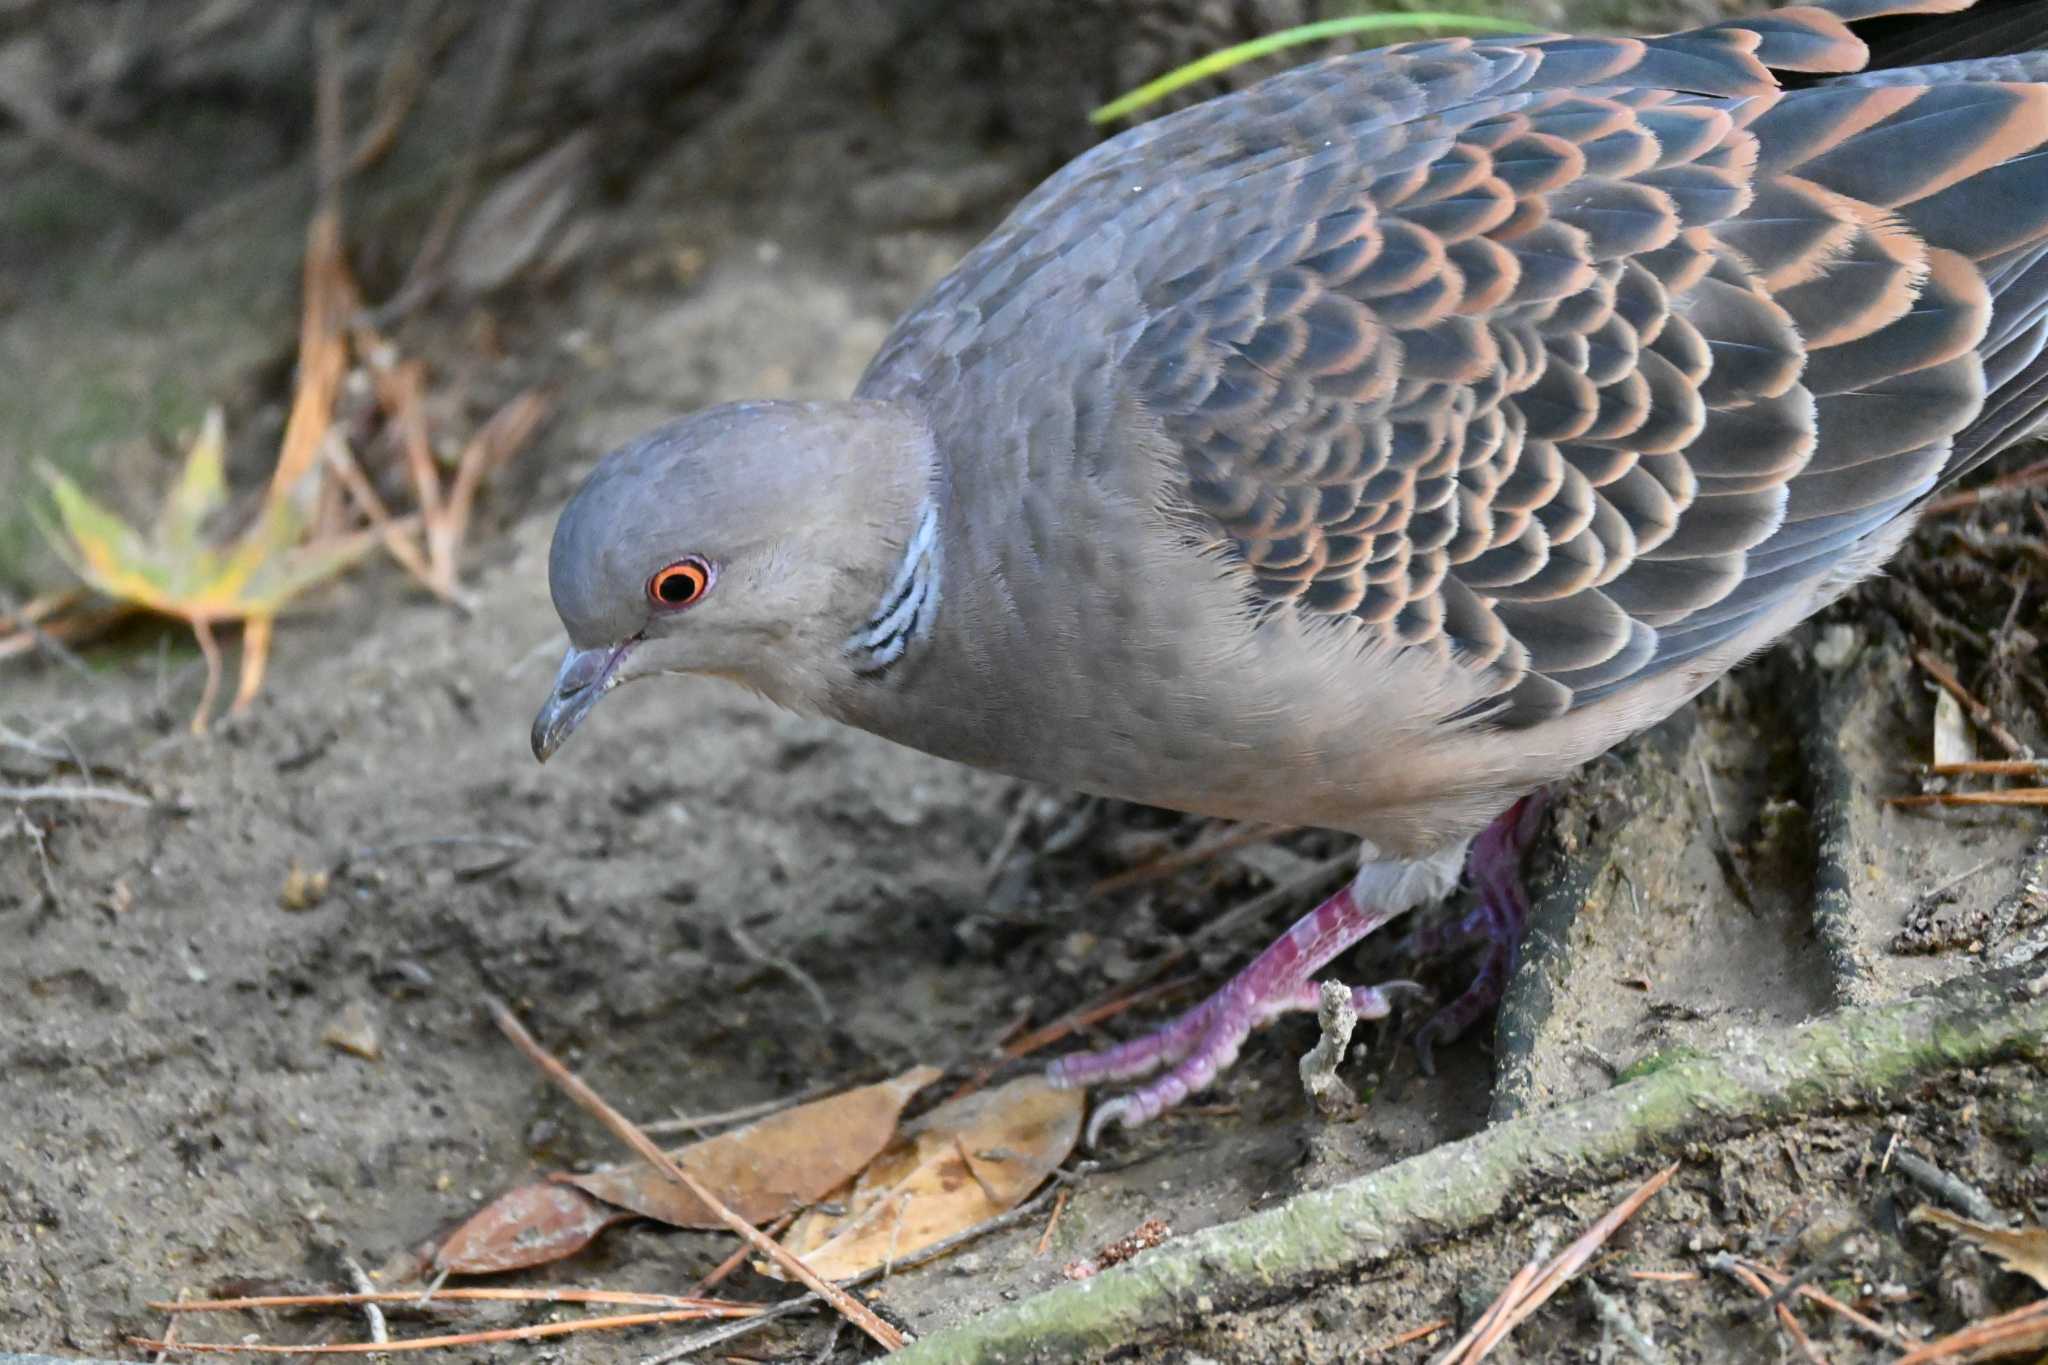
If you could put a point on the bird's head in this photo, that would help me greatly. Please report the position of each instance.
(745, 541)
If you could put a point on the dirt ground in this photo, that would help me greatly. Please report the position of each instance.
(172, 1117)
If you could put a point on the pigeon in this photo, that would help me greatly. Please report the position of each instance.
(1371, 447)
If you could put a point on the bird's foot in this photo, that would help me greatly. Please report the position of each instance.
(1496, 923)
(1205, 1040)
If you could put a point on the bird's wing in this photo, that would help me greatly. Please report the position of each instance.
(1568, 358)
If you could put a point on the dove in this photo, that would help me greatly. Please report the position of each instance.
(1370, 448)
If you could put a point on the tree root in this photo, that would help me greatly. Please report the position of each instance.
(1847, 1060)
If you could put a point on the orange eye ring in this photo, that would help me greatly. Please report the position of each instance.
(681, 584)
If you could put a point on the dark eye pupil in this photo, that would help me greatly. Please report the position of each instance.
(677, 588)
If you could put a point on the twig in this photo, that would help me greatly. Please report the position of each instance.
(1783, 1285)
(1622, 1325)
(777, 962)
(1554, 1275)
(738, 1257)
(2021, 1329)
(1996, 490)
(1059, 1206)
(1989, 767)
(372, 1314)
(713, 1336)
(1088, 1017)
(1265, 903)
(59, 793)
(1194, 855)
(533, 1332)
(1013, 832)
(1945, 677)
(1412, 1335)
(1951, 1190)
(2011, 796)
(425, 277)
(1724, 851)
(697, 1123)
(856, 1312)
(617, 1297)
(1727, 1264)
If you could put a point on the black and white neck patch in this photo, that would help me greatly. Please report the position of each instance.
(908, 608)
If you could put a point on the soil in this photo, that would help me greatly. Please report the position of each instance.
(173, 1116)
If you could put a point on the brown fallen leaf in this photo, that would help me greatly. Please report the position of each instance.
(783, 1162)
(527, 1226)
(967, 1161)
(2024, 1250)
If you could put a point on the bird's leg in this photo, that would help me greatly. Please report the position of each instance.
(1495, 867)
(1205, 1040)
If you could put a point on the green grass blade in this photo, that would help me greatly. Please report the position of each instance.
(1221, 61)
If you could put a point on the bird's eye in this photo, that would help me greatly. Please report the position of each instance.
(680, 584)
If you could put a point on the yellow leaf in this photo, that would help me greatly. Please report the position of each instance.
(200, 490)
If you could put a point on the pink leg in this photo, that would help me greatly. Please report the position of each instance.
(1495, 866)
(1205, 1040)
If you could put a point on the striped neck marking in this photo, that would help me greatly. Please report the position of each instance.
(910, 605)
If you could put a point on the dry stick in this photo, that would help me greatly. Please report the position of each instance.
(1089, 1016)
(712, 1336)
(2015, 1330)
(1997, 488)
(1195, 854)
(1977, 710)
(620, 1297)
(1790, 1323)
(531, 1333)
(1988, 767)
(1413, 1334)
(1059, 1206)
(1566, 1265)
(1516, 1286)
(2012, 796)
(24, 795)
(856, 1312)
(1782, 1283)
(733, 1262)
(696, 1123)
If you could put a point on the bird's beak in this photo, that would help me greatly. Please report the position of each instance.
(585, 675)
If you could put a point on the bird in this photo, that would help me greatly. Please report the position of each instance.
(1372, 447)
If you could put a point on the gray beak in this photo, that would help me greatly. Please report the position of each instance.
(585, 675)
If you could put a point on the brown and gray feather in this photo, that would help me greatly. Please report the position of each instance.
(1563, 362)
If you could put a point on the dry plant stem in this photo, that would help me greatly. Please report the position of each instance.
(710, 1337)
(617, 1297)
(209, 650)
(1409, 1337)
(1754, 1282)
(255, 659)
(697, 1123)
(2021, 1329)
(24, 795)
(1517, 1308)
(1617, 1320)
(1069, 1024)
(395, 531)
(1976, 710)
(1782, 1283)
(1850, 1059)
(852, 1309)
(1990, 492)
(535, 1332)
(1989, 767)
(1197, 853)
(2013, 796)
(1059, 1206)
(733, 1262)
(1518, 1285)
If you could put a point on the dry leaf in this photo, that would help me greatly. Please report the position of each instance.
(354, 1031)
(765, 1169)
(962, 1164)
(2024, 1250)
(531, 1225)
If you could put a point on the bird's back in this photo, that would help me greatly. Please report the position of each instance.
(1474, 385)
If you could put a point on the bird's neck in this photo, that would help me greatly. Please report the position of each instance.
(904, 614)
